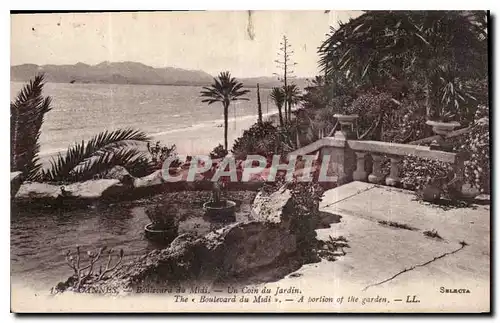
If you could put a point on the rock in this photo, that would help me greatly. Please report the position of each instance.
(41, 191)
(244, 247)
(269, 207)
(152, 179)
(95, 189)
(120, 173)
(88, 190)
(16, 179)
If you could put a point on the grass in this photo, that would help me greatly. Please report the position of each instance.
(432, 234)
(397, 225)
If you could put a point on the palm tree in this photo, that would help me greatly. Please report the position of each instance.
(278, 97)
(27, 113)
(441, 50)
(225, 89)
(292, 97)
(84, 160)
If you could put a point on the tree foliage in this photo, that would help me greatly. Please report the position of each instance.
(444, 51)
(27, 113)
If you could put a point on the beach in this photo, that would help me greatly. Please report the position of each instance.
(203, 138)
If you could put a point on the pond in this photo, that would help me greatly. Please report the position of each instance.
(40, 237)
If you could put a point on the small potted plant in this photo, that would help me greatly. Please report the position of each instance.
(163, 227)
(217, 208)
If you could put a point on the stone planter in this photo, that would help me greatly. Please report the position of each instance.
(223, 211)
(442, 128)
(346, 125)
(161, 236)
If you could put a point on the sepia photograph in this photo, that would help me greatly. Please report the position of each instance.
(321, 161)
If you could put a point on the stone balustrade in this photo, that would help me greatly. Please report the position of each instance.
(395, 152)
(348, 159)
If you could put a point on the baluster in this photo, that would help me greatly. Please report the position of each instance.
(455, 185)
(393, 178)
(360, 174)
(376, 176)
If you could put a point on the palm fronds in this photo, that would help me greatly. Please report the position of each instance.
(292, 97)
(225, 89)
(84, 160)
(27, 113)
(278, 97)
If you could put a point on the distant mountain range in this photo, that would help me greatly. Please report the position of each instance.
(129, 73)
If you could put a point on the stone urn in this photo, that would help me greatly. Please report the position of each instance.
(346, 125)
(442, 128)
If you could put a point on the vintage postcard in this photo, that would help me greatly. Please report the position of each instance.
(250, 161)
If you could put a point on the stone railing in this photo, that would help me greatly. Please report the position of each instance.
(347, 158)
(395, 152)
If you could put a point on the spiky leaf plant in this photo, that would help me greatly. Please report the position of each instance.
(27, 113)
(107, 149)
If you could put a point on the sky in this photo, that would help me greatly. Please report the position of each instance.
(212, 41)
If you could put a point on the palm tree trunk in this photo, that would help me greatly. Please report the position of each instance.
(289, 112)
(259, 105)
(286, 113)
(280, 116)
(226, 122)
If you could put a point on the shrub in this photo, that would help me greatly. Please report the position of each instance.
(154, 160)
(218, 152)
(261, 139)
(86, 272)
(158, 154)
(303, 210)
(477, 144)
(418, 172)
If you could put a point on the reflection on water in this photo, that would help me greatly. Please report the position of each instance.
(39, 238)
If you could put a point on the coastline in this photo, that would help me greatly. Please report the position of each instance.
(198, 139)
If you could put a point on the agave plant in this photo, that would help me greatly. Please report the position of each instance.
(85, 160)
(27, 113)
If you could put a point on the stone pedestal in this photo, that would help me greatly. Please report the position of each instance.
(347, 130)
(338, 161)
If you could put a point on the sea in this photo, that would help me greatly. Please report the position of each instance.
(167, 113)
